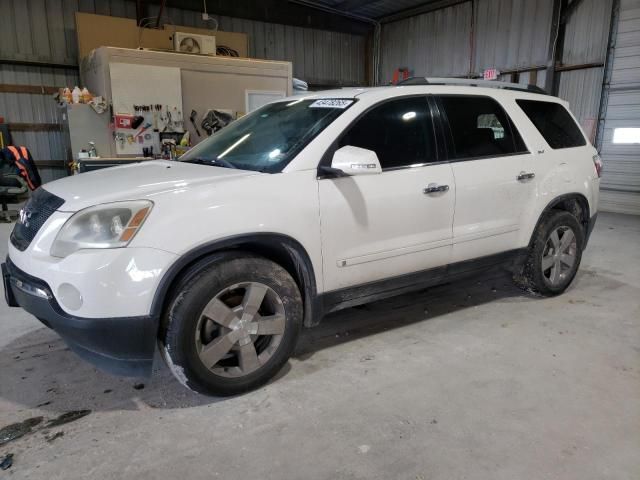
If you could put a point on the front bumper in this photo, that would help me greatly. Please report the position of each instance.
(123, 345)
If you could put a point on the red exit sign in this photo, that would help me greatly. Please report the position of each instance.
(491, 74)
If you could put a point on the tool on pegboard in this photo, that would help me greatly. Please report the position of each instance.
(193, 116)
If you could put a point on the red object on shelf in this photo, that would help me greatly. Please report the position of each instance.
(1, 119)
(400, 74)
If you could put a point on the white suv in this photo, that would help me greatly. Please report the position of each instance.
(303, 207)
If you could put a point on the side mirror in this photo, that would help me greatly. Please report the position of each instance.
(355, 161)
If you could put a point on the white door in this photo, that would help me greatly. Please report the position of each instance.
(385, 225)
(619, 142)
(494, 176)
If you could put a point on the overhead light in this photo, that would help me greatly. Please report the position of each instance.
(409, 116)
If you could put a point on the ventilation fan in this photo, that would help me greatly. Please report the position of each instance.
(189, 45)
(193, 43)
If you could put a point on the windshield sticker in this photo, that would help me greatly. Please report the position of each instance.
(341, 103)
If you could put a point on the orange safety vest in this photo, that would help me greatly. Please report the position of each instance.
(23, 170)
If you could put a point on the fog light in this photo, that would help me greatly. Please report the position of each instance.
(69, 296)
(30, 289)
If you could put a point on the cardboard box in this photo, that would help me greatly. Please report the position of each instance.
(95, 31)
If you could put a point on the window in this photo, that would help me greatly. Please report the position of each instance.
(399, 131)
(267, 139)
(626, 135)
(489, 120)
(480, 127)
(554, 123)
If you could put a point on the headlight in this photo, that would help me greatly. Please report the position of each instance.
(110, 225)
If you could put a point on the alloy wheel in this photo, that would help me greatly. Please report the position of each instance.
(240, 329)
(559, 255)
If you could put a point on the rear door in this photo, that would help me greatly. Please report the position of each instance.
(493, 173)
(386, 225)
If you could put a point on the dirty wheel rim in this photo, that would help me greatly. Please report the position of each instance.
(559, 255)
(240, 329)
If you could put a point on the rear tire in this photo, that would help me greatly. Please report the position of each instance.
(555, 254)
(232, 324)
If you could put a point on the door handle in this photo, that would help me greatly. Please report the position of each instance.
(525, 176)
(435, 188)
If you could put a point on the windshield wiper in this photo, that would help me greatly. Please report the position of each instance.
(217, 162)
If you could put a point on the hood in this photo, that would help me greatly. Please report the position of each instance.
(136, 181)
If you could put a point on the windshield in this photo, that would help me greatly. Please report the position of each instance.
(267, 140)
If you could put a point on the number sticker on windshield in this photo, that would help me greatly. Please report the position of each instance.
(331, 103)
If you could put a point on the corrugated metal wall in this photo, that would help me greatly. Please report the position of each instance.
(582, 89)
(507, 34)
(586, 37)
(587, 32)
(44, 31)
(511, 34)
(35, 108)
(433, 44)
(621, 178)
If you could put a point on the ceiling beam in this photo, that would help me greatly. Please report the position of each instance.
(420, 9)
(556, 45)
(351, 5)
(276, 11)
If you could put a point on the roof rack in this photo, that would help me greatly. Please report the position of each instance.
(469, 82)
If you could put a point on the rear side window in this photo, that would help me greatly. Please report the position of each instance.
(480, 127)
(399, 131)
(554, 123)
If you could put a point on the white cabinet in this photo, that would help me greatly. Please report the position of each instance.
(185, 83)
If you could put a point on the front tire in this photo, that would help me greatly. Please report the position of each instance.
(555, 255)
(232, 324)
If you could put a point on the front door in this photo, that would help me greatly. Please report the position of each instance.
(385, 225)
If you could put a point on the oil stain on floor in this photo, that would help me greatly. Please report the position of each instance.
(20, 429)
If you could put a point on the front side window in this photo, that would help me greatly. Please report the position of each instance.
(267, 139)
(399, 131)
(480, 127)
(554, 123)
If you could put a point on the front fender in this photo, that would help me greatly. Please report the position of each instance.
(282, 249)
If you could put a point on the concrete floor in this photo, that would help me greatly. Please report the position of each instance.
(473, 380)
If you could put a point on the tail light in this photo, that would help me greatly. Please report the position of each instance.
(597, 162)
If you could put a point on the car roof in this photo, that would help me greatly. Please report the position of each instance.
(377, 93)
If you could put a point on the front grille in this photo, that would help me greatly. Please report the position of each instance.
(36, 211)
